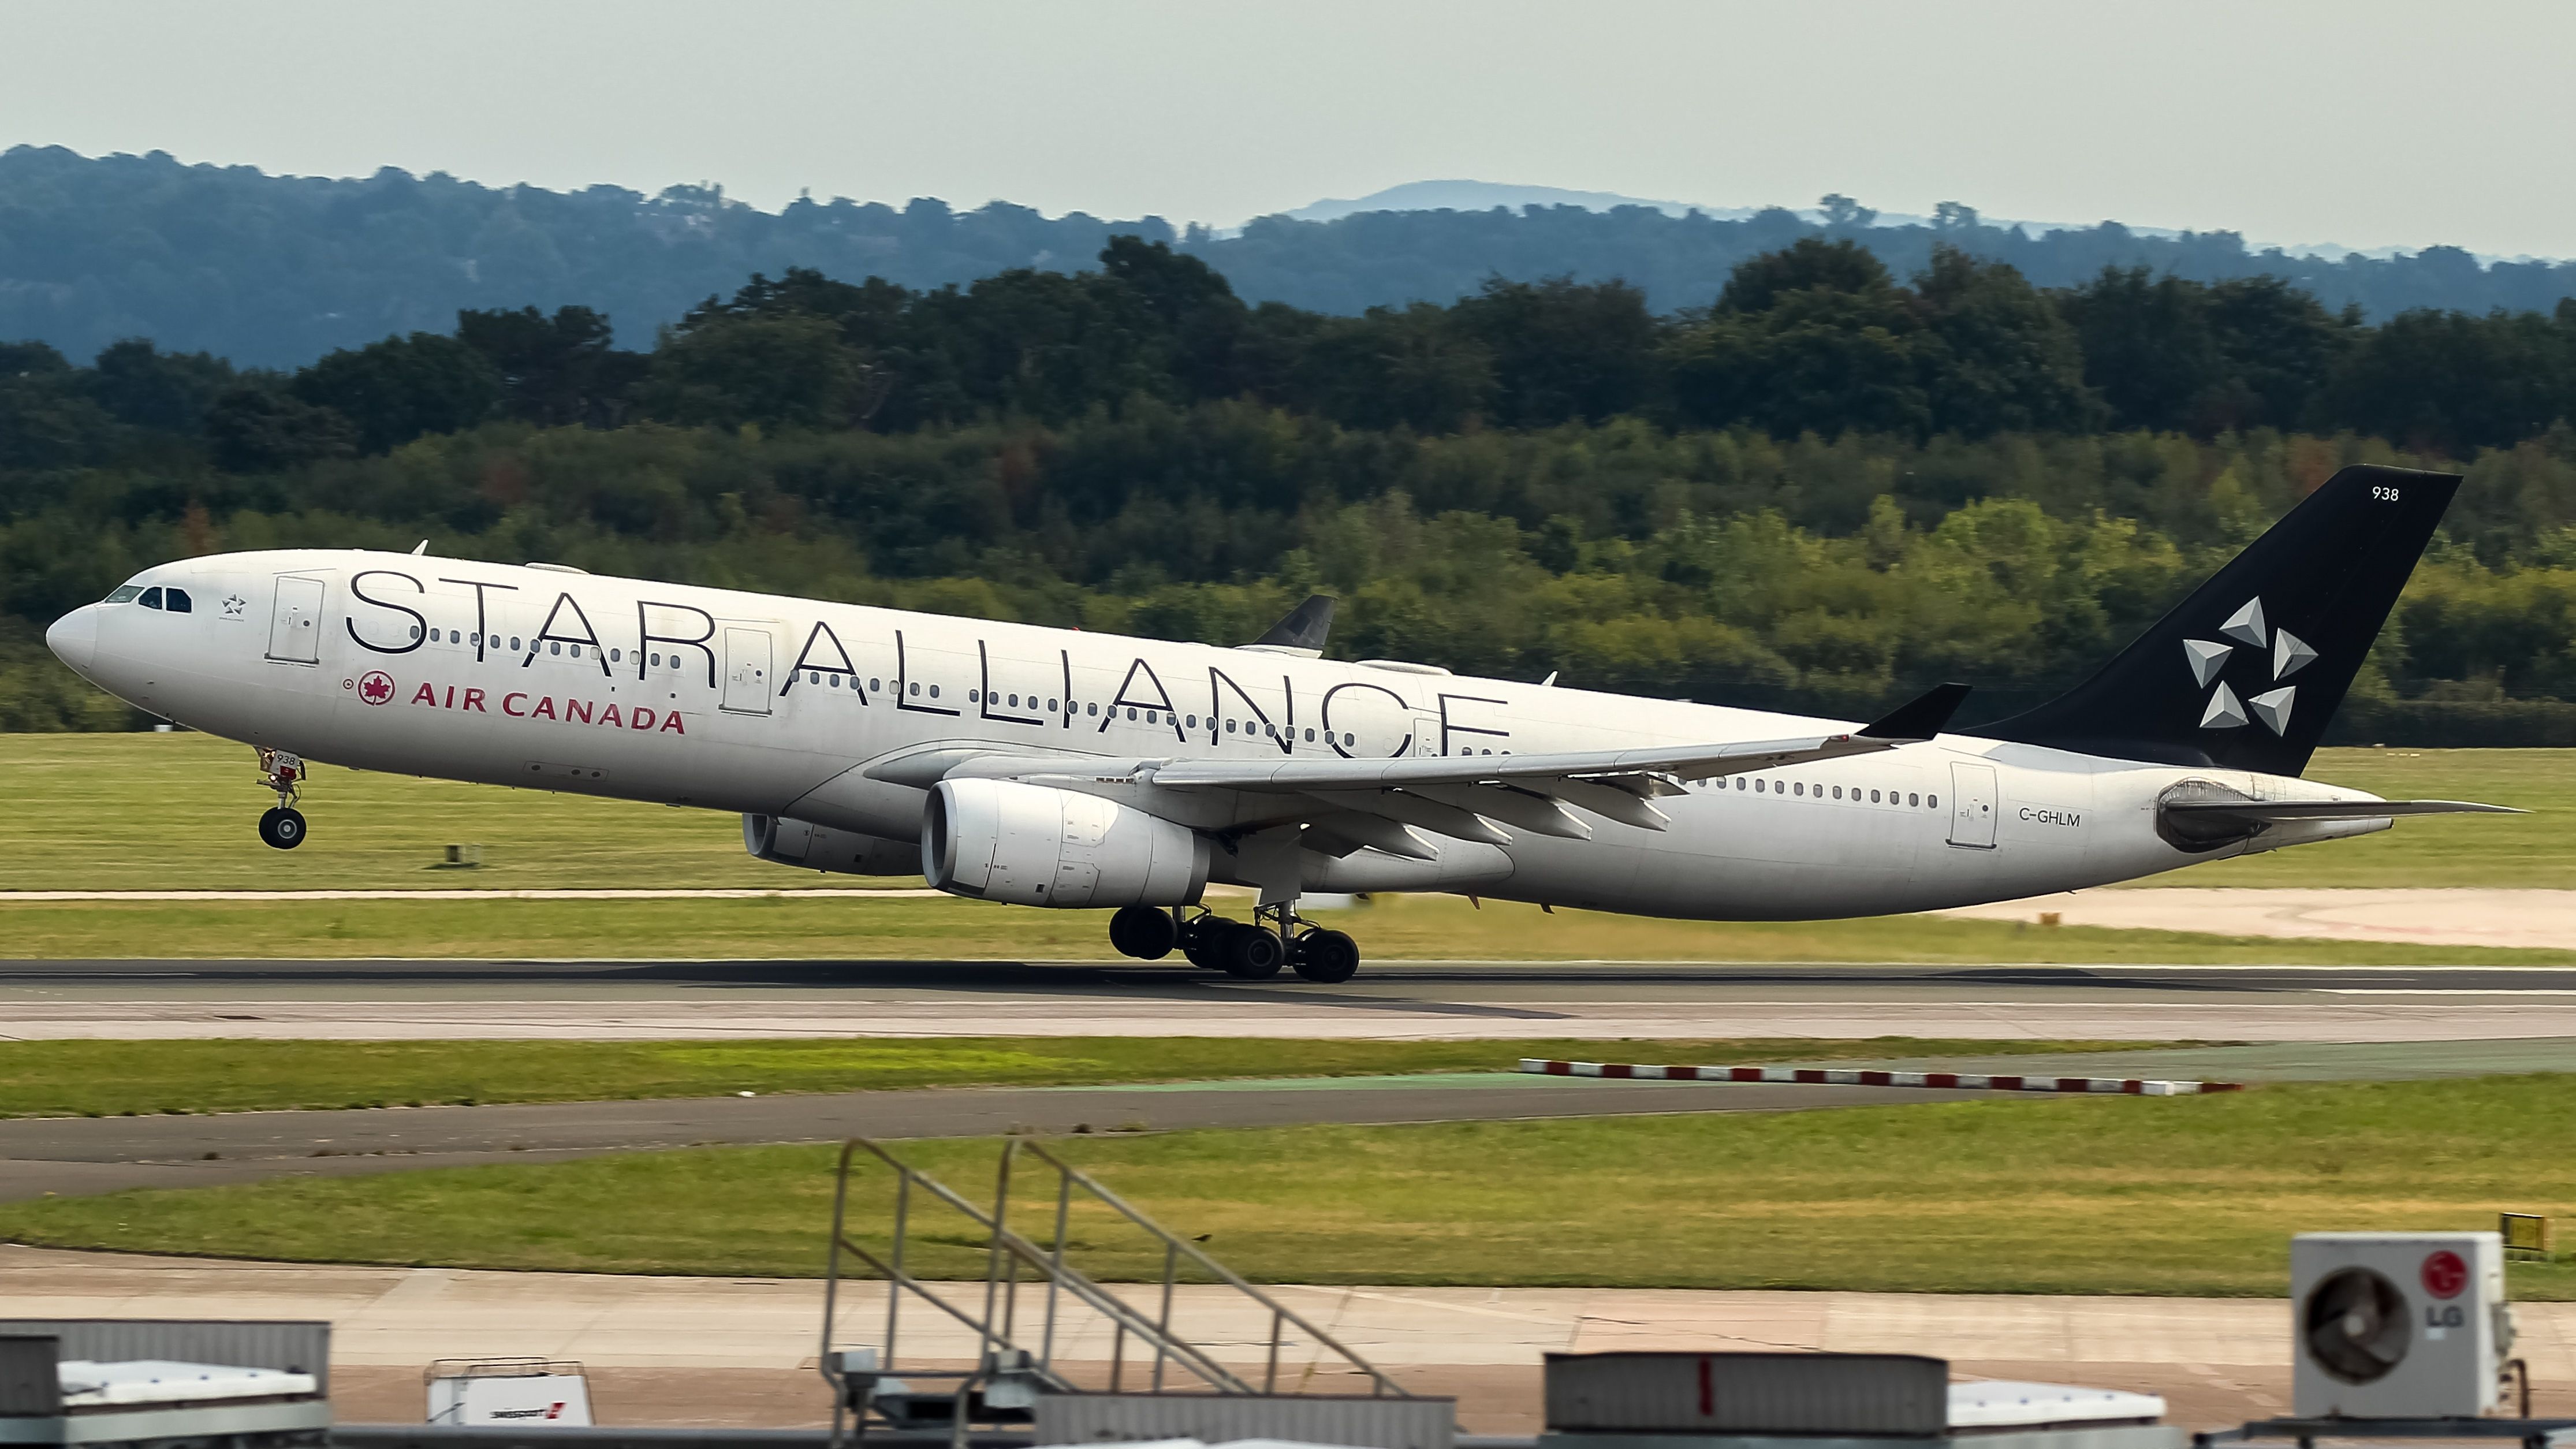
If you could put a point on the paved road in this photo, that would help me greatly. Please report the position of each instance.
(67, 1155)
(643, 1000)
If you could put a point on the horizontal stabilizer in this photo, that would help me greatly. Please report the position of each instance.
(1921, 717)
(2288, 810)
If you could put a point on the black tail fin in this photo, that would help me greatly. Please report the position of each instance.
(1303, 631)
(2248, 671)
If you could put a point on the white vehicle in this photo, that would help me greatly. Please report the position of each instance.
(1051, 767)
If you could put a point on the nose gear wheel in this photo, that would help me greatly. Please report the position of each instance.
(283, 827)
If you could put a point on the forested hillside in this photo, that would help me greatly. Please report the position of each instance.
(275, 271)
(1830, 487)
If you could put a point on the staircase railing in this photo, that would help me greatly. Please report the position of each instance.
(1010, 1254)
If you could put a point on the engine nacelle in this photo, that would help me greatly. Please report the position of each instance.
(1031, 845)
(820, 847)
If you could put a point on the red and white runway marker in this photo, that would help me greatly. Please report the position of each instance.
(1871, 1077)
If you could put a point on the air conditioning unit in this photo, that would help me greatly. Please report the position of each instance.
(2397, 1325)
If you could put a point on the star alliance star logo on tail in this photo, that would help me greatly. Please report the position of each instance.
(2208, 659)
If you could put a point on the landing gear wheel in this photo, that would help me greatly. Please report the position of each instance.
(1143, 932)
(1329, 957)
(1250, 953)
(282, 828)
(1200, 939)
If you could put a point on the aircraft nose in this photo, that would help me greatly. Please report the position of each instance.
(74, 637)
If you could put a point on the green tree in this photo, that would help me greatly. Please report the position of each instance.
(400, 388)
(1995, 356)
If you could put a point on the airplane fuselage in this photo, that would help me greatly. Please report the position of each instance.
(844, 715)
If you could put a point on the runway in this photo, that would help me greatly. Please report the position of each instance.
(413, 1000)
(74, 1155)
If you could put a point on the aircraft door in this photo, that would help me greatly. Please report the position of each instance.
(747, 670)
(295, 621)
(1972, 805)
(1426, 734)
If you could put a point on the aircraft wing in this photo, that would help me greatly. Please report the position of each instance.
(1688, 762)
(1380, 803)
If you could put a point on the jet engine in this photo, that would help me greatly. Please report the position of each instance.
(1032, 845)
(819, 847)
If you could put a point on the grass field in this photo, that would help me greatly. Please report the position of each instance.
(174, 811)
(2161, 1196)
(110, 1078)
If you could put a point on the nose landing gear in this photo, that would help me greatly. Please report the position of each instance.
(1274, 940)
(282, 827)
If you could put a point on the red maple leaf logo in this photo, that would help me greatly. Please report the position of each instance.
(376, 687)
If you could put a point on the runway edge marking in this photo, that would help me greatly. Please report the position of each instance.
(1869, 1077)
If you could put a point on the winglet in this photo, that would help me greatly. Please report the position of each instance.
(1302, 632)
(1919, 718)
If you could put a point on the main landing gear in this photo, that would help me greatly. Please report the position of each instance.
(1275, 939)
(282, 827)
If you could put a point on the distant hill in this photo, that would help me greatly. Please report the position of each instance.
(275, 271)
(1486, 195)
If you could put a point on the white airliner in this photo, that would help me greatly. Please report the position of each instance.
(1049, 767)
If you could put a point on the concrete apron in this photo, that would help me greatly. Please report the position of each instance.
(737, 1351)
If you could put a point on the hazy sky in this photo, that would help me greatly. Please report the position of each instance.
(2358, 122)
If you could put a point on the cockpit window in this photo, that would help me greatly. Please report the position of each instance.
(175, 600)
(125, 594)
(151, 599)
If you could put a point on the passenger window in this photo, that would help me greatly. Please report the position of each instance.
(514, 643)
(175, 600)
(125, 594)
(1931, 802)
(151, 599)
(1913, 799)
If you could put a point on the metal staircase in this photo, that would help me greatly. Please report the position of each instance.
(1010, 1371)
